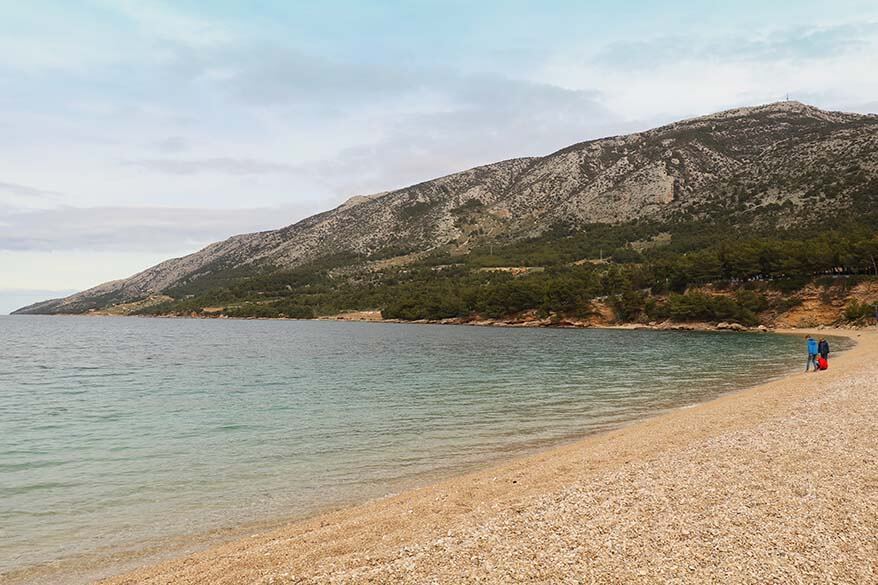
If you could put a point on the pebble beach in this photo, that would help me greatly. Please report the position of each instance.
(773, 484)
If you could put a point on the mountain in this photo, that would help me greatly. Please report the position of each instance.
(769, 166)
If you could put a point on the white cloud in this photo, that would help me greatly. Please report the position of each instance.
(672, 77)
(800, 44)
(163, 21)
(170, 144)
(16, 195)
(54, 55)
(77, 270)
(13, 299)
(221, 165)
(25, 191)
(126, 229)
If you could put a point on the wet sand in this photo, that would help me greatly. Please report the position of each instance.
(774, 484)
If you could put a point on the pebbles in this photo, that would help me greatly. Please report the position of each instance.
(777, 484)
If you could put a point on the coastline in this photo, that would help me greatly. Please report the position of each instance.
(511, 323)
(626, 491)
(603, 318)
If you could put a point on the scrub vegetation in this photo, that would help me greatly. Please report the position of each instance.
(565, 271)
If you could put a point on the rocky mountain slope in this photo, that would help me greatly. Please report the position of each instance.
(769, 163)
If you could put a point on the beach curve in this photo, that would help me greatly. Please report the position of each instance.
(775, 483)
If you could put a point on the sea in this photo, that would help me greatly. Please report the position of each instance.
(119, 434)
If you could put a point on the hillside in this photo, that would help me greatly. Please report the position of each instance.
(784, 170)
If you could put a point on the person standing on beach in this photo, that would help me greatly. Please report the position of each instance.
(812, 353)
(823, 348)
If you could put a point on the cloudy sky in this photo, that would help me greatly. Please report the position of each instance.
(133, 131)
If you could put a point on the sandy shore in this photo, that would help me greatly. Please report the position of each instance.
(774, 484)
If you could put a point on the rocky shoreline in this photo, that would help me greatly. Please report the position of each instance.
(573, 324)
(530, 321)
(527, 323)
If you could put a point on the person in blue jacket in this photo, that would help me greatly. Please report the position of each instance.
(812, 353)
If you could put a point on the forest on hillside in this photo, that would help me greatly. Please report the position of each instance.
(688, 271)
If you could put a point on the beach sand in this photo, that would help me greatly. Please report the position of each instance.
(774, 484)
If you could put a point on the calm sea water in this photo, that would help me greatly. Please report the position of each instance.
(120, 432)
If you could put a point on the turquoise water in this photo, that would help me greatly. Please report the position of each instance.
(120, 432)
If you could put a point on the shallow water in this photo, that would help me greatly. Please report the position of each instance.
(120, 432)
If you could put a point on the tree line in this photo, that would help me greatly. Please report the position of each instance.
(624, 266)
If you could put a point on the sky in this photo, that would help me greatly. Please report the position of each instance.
(134, 131)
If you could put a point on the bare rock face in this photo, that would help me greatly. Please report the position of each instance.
(757, 158)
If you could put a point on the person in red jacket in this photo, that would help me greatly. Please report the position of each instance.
(822, 364)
